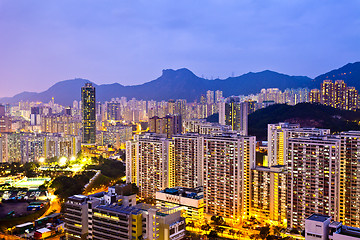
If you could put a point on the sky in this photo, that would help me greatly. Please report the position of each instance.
(130, 41)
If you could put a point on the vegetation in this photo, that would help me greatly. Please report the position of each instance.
(306, 114)
(28, 169)
(110, 168)
(67, 186)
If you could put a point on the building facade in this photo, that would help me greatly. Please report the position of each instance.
(88, 107)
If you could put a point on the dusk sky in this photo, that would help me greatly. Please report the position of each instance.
(130, 42)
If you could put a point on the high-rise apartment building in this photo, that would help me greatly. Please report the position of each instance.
(327, 93)
(350, 178)
(113, 111)
(351, 99)
(339, 94)
(235, 114)
(188, 150)
(228, 160)
(313, 166)
(278, 136)
(314, 96)
(168, 125)
(88, 103)
(210, 97)
(30, 147)
(218, 96)
(150, 163)
(268, 193)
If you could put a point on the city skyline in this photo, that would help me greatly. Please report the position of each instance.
(109, 43)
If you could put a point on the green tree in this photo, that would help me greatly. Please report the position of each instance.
(218, 220)
(212, 235)
(205, 227)
(264, 232)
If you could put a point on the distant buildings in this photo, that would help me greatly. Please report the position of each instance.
(338, 95)
(88, 101)
(235, 114)
(168, 125)
(30, 147)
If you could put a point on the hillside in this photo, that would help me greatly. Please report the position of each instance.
(172, 84)
(350, 73)
(184, 84)
(306, 114)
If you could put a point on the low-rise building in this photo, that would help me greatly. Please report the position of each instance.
(108, 215)
(188, 200)
(320, 227)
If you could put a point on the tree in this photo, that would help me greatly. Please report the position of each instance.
(205, 227)
(218, 220)
(191, 224)
(278, 230)
(264, 232)
(231, 232)
(219, 229)
(212, 235)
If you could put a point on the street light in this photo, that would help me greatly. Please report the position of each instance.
(62, 161)
(41, 160)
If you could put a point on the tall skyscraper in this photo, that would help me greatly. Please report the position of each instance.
(88, 104)
(313, 167)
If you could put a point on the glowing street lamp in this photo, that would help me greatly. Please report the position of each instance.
(73, 158)
(41, 160)
(62, 161)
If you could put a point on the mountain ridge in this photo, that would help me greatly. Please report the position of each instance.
(184, 84)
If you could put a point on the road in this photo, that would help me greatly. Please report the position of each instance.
(55, 206)
(9, 237)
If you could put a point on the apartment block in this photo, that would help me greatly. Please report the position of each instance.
(278, 136)
(268, 193)
(150, 163)
(228, 160)
(313, 166)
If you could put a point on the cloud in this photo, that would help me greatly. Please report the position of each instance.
(131, 41)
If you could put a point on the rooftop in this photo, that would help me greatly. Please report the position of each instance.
(120, 209)
(318, 218)
(194, 193)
